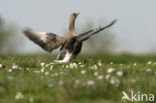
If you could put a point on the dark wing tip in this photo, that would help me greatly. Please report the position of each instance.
(26, 30)
(113, 22)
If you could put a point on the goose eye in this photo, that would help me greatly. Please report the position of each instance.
(74, 13)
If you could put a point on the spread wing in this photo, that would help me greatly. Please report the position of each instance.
(47, 41)
(86, 35)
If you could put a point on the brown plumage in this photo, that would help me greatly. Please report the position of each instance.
(70, 44)
(47, 41)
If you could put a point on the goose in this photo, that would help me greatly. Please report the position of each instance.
(70, 44)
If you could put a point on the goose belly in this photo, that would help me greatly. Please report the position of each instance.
(68, 54)
(64, 56)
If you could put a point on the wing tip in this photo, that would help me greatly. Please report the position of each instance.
(26, 30)
(114, 21)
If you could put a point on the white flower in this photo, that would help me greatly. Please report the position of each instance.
(83, 72)
(27, 69)
(61, 82)
(67, 66)
(100, 77)
(10, 70)
(42, 70)
(111, 63)
(62, 66)
(112, 81)
(107, 76)
(73, 65)
(10, 77)
(95, 67)
(15, 66)
(56, 74)
(81, 66)
(31, 100)
(42, 64)
(110, 70)
(148, 70)
(95, 73)
(121, 64)
(133, 80)
(61, 72)
(90, 82)
(77, 81)
(1, 65)
(119, 73)
(51, 67)
(99, 64)
(47, 65)
(149, 62)
(134, 64)
(79, 63)
(50, 85)
(19, 95)
(46, 73)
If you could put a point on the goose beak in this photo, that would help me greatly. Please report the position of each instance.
(77, 13)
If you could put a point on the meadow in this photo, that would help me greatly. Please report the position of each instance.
(88, 79)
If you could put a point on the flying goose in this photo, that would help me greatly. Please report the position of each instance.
(70, 44)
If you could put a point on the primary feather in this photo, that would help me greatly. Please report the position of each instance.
(47, 41)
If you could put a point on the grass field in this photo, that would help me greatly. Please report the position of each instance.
(88, 79)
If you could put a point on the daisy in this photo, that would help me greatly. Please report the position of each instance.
(110, 70)
(1, 65)
(42, 64)
(90, 82)
(119, 73)
(149, 62)
(100, 77)
(19, 95)
(95, 73)
(83, 72)
(15, 66)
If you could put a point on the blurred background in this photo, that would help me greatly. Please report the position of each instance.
(133, 33)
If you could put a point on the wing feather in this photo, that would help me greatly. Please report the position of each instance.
(86, 35)
(47, 41)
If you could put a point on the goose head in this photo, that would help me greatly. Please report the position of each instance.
(73, 16)
(71, 30)
(72, 19)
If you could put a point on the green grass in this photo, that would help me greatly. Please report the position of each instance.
(64, 84)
